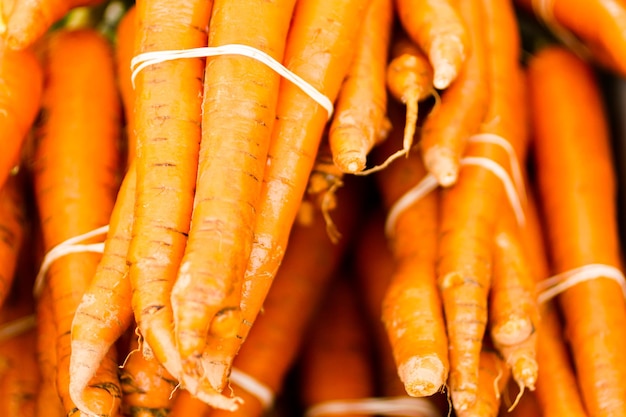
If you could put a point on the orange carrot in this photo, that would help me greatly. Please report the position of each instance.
(125, 36)
(578, 206)
(359, 122)
(21, 80)
(185, 405)
(439, 30)
(30, 19)
(168, 136)
(409, 80)
(147, 387)
(463, 105)
(513, 307)
(239, 109)
(527, 406)
(104, 312)
(319, 50)
(12, 231)
(75, 174)
(602, 30)
(335, 362)
(493, 376)
(411, 310)
(48, 402)
(274, 342)
(20, 382)
(556, 389)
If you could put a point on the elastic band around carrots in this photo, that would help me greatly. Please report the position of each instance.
(71, 245)
(386, 406)
(17, 327)
(253, 386)
(146, 59)
(553, 286)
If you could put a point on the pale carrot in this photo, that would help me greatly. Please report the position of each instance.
(21, 78)
(359, 122)
(30, 19)
(578, 206)
(239, 109)
(167, 120)
(75, 170)
(463, 105)
(440, 31)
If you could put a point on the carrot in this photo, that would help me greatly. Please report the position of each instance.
(146, 386)
(463, 105)
(275, 340)
(75, 183)
(319, 48)
(30, 19)
(239, 109)
(185, 405)
(48, 403)
(20, 382)
(335, 361)
(602, 30)
(21, 78)
(168, 136)
(411, 309)
(513, 307)
(409, 80)
(493, 376)
(359, 122)
(578, 206)
(12, 231)
(437, 27)
(556, 388)
(526, 407)
(125, 36)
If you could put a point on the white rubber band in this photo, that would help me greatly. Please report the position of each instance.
(253, 386)
(425, 186)
(145, 59)
(516, 171)
(71, 245)
(386, 406)
(17, 327)
(555, 285)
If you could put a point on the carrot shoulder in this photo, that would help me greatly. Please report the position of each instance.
(239, 109)
(578, 205)
(75, 170)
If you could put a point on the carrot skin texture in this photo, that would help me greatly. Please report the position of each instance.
(438, 28)
(235, 141)
(359, 121)
(30, 19)
(493, 376)
(412, 308)
(21, 83)
(75, 170)
(297, 133)
(580, 215)
(168, 136)
(463, 105)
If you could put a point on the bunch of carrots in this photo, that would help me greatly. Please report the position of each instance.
(327, 207)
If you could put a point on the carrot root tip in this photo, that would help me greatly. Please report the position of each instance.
(442, 164)
(423, 375)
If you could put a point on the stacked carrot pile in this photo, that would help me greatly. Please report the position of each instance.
(189, 227)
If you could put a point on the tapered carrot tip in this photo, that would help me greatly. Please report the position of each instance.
(82, 369)
(442, 164)
(446, 57)
(515, 330)
(351, 161)
(525, 371)
(464, 399)
(422, 376)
